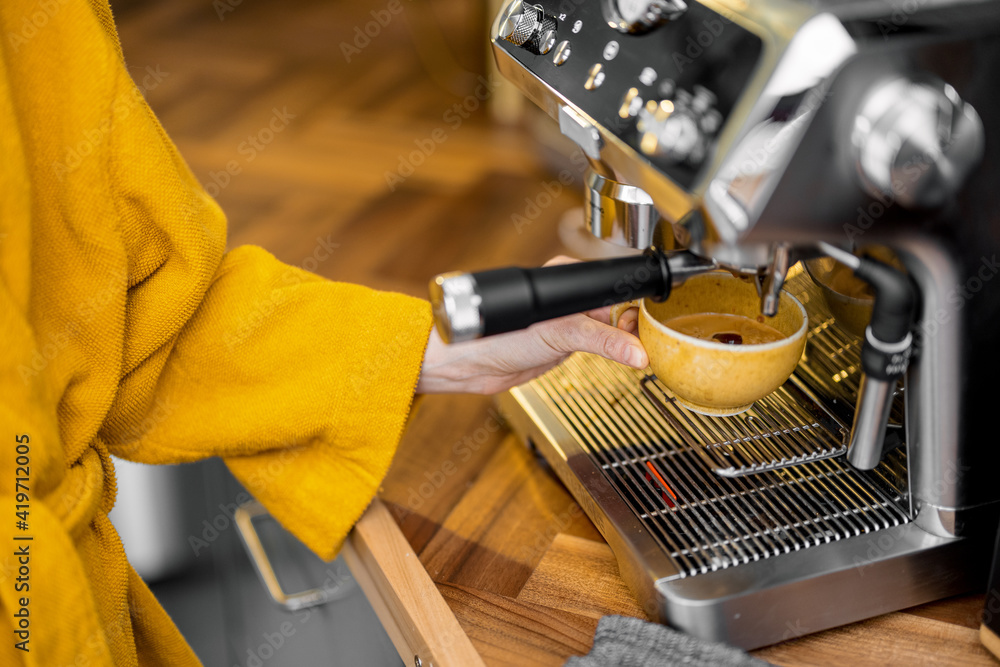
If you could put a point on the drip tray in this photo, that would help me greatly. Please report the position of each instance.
(785, 428)
(687, 478)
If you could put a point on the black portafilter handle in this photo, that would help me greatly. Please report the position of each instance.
(471, 305)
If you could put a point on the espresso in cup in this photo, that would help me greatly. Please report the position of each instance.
(726, 329)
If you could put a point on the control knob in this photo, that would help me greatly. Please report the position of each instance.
(674, 135)
(637, 16)
(527, 26)
(679, 129)
(916, 142)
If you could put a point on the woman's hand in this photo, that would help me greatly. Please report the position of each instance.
(497, 363)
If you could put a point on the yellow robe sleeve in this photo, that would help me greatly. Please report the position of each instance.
(302, 385)
(127, 329)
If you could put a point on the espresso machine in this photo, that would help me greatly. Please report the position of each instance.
(755, 136)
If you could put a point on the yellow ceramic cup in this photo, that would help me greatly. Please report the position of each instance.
(709, 377)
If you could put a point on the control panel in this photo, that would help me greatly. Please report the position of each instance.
(662, 75)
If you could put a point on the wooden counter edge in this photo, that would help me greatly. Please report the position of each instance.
(415, 615)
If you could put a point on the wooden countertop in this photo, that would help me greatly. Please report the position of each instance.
(527, 576)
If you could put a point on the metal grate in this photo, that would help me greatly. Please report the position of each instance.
(704, 521)
(782, 429)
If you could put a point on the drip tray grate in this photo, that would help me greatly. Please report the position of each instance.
(783, 429)
(663, 462)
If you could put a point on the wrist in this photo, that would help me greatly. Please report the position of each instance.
(445, 368)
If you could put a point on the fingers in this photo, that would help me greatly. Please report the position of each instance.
(629, 321)
(560, 259)
(578, 332)
(602, 315)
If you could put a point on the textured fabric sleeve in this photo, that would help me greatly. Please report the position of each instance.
(301, 384)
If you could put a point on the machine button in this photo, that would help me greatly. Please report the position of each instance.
(711, 121)
(546, 42)
(682, 138)
(671, 131)
(562, 53)
(648, 76)
(610, 50)
(637, 16)
(704, 99)
(631, 103)
(683, 99)
(595, 77)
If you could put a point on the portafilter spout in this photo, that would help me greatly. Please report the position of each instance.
(885, 353)
(774, 279)
(472, 305)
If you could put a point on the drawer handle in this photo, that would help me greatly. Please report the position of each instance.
(262, 564)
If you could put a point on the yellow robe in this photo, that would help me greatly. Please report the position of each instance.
(127, 329)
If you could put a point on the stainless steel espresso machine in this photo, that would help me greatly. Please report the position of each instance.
(748, 135)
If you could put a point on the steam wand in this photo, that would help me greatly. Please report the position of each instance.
(884, 355)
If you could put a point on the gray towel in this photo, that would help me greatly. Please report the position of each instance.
(621, 641)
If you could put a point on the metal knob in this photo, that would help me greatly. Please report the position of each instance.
(642, 15)
(916, 142)
(527, 26)
(673, 133)
(518, 22)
